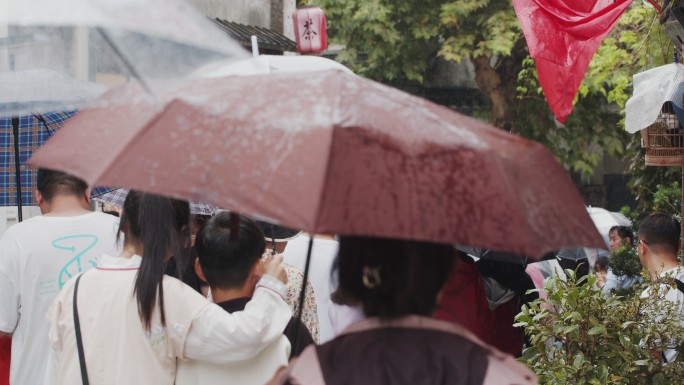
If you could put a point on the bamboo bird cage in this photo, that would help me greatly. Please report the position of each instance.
(663, 140)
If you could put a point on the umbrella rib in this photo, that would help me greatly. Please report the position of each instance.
(40, 118)
(328, 166)
(126, 62)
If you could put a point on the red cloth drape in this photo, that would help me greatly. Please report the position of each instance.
(563, 36)
(5, 351)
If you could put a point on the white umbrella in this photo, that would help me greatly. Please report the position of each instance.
(265, 64)
(44, 89)
(106, 41)
(52, 52)
(604, 220)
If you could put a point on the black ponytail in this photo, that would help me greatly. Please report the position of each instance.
(161, 226)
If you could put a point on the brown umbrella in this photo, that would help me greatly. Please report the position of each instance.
(331, 152)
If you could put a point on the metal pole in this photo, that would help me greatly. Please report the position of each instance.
(17, 165)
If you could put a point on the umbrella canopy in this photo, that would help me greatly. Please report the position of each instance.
(103, 41)
(493, 255)
(43, 89)
(33, 91)
(118, 196)
(33, 131)
(265, 64)
(331, 152)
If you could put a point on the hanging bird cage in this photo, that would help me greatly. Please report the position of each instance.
(664, 139)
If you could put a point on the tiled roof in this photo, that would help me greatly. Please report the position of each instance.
(267, 39)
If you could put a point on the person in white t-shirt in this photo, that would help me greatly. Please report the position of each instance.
(38, 256)
(657, 248)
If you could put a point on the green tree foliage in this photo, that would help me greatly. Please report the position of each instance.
(398, 42)
(668, 199)
(590, 131)
(637, 43)
(386, 40)
(579, 336)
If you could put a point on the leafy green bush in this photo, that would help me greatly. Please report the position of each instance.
(579, 336)
(667, 199)
(626, 262)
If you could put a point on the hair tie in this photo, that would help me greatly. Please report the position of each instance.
(371, 277)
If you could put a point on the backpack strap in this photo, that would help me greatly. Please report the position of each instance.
(680, 285)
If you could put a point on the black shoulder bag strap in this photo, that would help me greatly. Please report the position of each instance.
(680, 285)
(79, 340)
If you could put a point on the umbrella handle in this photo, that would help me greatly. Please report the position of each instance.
(302, 295)
(17, 166)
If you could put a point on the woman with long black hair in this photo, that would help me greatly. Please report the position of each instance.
(397, 283)
(135, 321)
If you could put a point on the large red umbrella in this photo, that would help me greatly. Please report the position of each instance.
(331, 152)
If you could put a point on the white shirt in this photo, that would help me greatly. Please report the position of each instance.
(341, 316)
(37, 257)
(257, 370)
(119, 350)
(323, 255)
(673, 295)
(621, 282)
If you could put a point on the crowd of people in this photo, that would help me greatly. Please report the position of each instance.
(159, 296)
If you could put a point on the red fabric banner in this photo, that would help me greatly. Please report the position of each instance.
(563, 36)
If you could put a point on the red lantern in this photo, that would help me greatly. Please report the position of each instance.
(310, 29)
